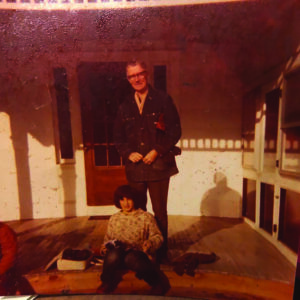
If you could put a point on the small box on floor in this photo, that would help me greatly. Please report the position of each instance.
(74, 259)
(71, 259)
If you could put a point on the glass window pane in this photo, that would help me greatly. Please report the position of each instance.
(114, 157)
(249, 196)
(63, 113)
(291, 150)
(271, 128)
(291, 105)
(248, 127)
(266, 207)
(100, 155)
(160, 77)
(110, 132)
(99, 132)
(289, 219)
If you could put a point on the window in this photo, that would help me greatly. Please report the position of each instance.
(289, 218)
(249, 196)
(266, 207)
(271, 128)
(160, 77)
(291, 104)
(248, 127)
(63, 113)
(290, 124)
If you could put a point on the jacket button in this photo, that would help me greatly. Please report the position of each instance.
(142, 144)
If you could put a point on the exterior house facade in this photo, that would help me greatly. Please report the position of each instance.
(62, 78)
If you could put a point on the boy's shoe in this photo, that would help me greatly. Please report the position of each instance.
(160, 289)
(105, 288)
(162, 286)
(164, 259)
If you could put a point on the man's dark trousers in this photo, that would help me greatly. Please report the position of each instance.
(158, 191)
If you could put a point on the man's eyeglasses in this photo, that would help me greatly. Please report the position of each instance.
(137, 76)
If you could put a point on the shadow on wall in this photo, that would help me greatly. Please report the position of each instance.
(20, 146)
(221, 201)
(25, 100)
(221, 208)
(68, 179)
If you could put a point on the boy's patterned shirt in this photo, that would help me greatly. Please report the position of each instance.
(133, 229)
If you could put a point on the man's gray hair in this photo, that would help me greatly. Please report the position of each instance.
(135, 62)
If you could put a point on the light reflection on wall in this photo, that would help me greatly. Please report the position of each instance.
(270, 145)
(211, 144)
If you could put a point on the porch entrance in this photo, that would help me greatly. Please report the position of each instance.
(102, 87)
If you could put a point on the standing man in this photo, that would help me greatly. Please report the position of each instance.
(146, 130)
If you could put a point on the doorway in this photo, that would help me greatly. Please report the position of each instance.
(102, 87)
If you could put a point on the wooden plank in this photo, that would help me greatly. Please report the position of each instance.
(202, 285)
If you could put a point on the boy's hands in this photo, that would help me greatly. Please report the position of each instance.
(103, 250)
(146, 246)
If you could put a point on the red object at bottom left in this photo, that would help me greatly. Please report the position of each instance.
(8, 253)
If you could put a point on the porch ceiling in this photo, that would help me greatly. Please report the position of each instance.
(251, 36)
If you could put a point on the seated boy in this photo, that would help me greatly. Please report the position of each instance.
(132, 237)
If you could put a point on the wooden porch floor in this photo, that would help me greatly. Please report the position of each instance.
(241, 251)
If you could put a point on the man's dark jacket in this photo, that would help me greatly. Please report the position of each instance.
(157, 128)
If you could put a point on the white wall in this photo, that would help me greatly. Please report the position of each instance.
(208, 97)
(9, 193)
(29, 180)
(209, 183)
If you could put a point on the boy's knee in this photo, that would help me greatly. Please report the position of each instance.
(114, 256)
(137, 260)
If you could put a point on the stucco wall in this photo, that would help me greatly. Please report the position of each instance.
(29, 178)
(202, 83)
(9, 193)
(210, 180)
(207, 95)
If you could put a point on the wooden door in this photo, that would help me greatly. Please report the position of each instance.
(102, 87)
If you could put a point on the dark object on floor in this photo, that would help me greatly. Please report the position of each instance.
(188, 262)
(76, 254)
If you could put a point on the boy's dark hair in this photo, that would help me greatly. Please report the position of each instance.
(128, 192)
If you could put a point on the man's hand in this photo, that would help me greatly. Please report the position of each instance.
(103, 250)
(135, 157)
(146, 246)
(150, 157)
